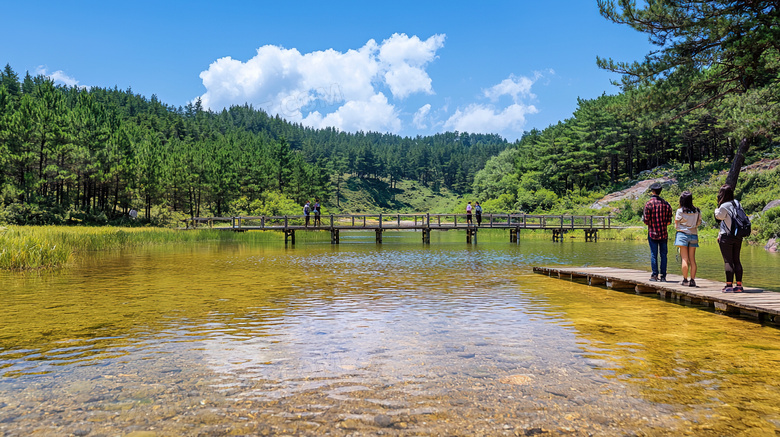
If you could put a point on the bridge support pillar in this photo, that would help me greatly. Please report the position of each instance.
(379, 235)
(514, 233)
(334, 236)
(289, 235)
(558, 234)
(591, 235)
(426, 236)
(471, 236)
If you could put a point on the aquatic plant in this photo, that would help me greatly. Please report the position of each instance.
(33, 247)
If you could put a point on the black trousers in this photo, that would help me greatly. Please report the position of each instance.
(730, 248)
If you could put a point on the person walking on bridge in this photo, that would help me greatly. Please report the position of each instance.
(468, 214)
(657, 216)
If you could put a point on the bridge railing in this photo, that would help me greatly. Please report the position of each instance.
(403, 221)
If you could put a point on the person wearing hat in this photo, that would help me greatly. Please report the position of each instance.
(657, 216)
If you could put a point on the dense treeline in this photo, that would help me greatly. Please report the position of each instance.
(710, 93)
(69, 153)
(604, 144)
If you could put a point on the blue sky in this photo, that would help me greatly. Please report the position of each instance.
(407, 67)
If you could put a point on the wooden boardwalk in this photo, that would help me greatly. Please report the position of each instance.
(423, 222)
(753, 302)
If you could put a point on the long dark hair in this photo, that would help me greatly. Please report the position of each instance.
(726, 194)
(686, 202)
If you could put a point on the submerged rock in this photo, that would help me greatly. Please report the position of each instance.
(771, 245)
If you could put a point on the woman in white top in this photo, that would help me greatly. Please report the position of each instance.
(687, 221)
(730, 246)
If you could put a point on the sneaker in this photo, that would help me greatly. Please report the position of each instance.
(738, 289)
(692, 283)
(654, 278)
(728, 289)
(684, 282)
(663, 278)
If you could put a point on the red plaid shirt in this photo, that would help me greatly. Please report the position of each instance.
(657, 216)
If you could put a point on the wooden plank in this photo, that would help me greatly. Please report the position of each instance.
(756, 303)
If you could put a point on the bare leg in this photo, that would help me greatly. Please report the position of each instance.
(692, 261)
(685, 261)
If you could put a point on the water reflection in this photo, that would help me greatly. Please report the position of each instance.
(357, 338)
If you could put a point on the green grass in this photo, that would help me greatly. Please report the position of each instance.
(35, 247)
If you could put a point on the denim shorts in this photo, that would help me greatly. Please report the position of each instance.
(686, 240)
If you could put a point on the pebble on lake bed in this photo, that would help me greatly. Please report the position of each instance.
(517, 379)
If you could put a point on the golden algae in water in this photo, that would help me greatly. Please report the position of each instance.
(359, 338)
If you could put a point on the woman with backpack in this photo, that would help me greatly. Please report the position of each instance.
(730, 244)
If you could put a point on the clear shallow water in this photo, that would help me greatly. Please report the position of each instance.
(360, 339)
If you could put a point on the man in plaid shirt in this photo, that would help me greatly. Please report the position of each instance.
(657, 216)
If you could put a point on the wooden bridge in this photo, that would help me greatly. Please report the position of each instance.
(424, 223)
(753, 302)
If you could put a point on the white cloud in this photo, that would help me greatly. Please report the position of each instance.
(513, 86)
(508, 121)
(58, 77)
(326, 88)
(478, 118)
(421, 115)
(375, 114)
(405, 59)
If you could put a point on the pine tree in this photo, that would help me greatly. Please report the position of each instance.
(707, 50)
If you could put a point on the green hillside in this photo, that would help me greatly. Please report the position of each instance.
(360, 195)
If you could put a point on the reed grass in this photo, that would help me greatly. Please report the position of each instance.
(35, 247)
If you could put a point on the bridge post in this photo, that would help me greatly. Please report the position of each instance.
(513, 234)
(426, 236)
(334, 236)
(380, 224)
(262, 222)
(331, 222)
(289, 234)
(379, 235)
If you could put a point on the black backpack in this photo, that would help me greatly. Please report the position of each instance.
(740, 223)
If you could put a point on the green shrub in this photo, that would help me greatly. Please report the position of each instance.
(767, 225)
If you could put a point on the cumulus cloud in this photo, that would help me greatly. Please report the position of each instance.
(478, 118)
(58, 77)
(374, 114)
(513, 86)
(420, 116)
(488, 118)
(328, 87)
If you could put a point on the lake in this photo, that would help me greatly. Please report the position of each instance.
(392, 339)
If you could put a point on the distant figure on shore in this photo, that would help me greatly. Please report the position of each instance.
(468, 214)
(317, 212)
(306, 211)
(686, 221)
(730, 244)
(478, 212)
(133, 214)
(657, 216)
